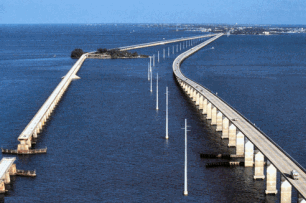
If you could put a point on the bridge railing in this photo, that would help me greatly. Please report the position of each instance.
(166, 41)
(281, 149)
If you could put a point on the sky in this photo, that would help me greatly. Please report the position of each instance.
(292, 12)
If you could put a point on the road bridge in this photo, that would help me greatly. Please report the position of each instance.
(7, 168)
(244, 135)
(30, 132)
(150, 44)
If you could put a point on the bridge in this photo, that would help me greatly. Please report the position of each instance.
(244, 135)
(29, 134)
(7, 168)
(150, 44)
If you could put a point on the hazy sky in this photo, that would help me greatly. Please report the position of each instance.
(158, 11)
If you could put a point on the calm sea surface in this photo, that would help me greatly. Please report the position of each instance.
(106, 140)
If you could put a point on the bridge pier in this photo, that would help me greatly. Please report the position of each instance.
(7, 178)
(271, 179)
(259, 165)
(225, 127)
(232, 136)
(213, 116)
(208, 110)
(248, 153)
(198, 99)
(204, 106)
(239, 144)
(219, 121)
(13, 170)
(286, 190)
(194, 95)
(189, 90)
(201, 100)
(301, 199)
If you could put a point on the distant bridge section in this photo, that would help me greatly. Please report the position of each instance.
(29, 134)
(150, 44)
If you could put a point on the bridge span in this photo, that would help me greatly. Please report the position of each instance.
(29, 134)
(244, 135)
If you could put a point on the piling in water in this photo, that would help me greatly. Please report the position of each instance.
(212, 156)
(225, 164)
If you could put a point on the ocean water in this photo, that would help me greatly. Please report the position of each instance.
(106, 140)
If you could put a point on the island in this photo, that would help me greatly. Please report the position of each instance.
(103, 53)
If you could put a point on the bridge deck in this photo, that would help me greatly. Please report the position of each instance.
(5, 165)
(29, 129)
(277, 156)
(138, 46)
(32, 125)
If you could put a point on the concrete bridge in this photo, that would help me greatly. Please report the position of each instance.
(150, 44)
(249, 141)
(7, 168)
(29, 134)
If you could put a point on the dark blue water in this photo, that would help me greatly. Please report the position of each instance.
(106, 140)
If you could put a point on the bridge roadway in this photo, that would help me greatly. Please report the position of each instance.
(138, 46)
(26, 138)
(275, 154)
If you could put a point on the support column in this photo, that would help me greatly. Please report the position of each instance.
(232, 136)
(259, 165)
(208, 109)
(213, 116)
(301, 199)
(201, 99)
(271, 179)
(7, 178)
(29, 142)
(219, 121)
(286, 190)
(240, 144)
(225, 127)
(248, 153)
(194, 95)
(35, 134)
(2, 187)
(22, 146)
(189, 90)
(198, 99)
(13, 170)
(204, 106)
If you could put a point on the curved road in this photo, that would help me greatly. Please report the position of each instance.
(277, 156)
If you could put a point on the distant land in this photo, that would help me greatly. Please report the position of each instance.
(244, 29)
(234, 29)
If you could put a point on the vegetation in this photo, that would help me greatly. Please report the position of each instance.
(77, 53)
(116, 53)
(111, 53)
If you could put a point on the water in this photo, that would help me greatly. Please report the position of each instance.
(106, 140)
